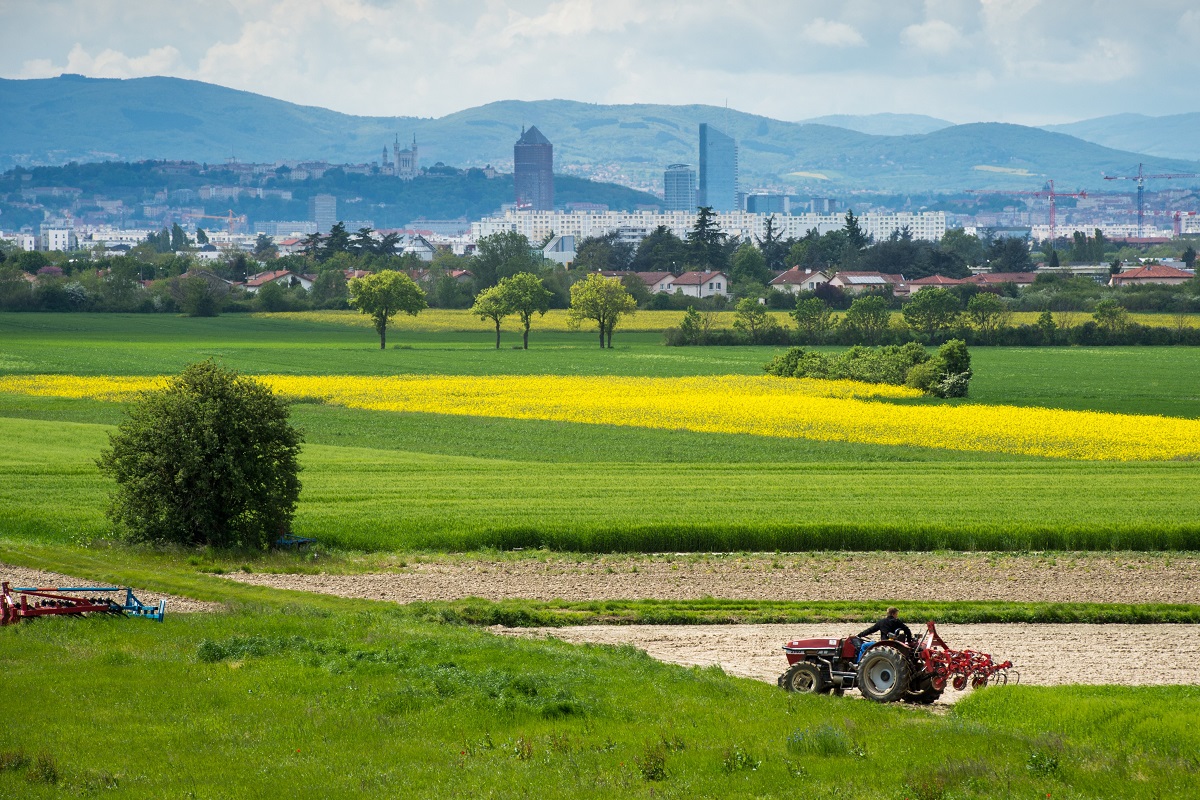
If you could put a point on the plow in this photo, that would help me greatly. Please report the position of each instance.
(24, 603)
(915, 671)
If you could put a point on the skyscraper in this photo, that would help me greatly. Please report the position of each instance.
(322, 209)
(718, 170)
(679, 188)
(533, 171)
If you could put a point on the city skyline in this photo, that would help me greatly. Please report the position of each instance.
(1022, 61)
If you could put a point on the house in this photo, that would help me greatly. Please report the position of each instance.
(1151, 273)
(859, 282)
(796, 280)
(1019, 279)
(282, 277)
(702, 284)
(657, 282)
(931, 280)
(560, 249)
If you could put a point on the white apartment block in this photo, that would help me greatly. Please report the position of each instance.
(536, 225)
(57, 239)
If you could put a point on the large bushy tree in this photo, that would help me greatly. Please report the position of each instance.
(384, 295)
(601, 299)
(209, 460)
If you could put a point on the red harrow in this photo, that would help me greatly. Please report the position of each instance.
(960, 667)
(20, 603)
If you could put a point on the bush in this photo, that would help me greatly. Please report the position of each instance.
(946, 374)
(209, 460)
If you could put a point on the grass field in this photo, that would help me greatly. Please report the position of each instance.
(380, 480)
(340, 698)
(315, 696)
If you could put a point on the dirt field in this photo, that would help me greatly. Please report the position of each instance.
(1094, 654)
(1099, 578)
(19, 576)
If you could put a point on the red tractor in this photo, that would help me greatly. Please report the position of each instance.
(915, 671)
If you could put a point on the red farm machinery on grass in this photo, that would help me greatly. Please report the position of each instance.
(21, 603)
(913, 671)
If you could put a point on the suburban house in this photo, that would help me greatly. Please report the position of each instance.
(702, 284)
(859, 282)
(931, 280)
(1020, 279)
(282, 277)
(1151, 273)
(797, 280)
(657, 282)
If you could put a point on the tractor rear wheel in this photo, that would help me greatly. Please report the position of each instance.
(884, 674)
(805, 678)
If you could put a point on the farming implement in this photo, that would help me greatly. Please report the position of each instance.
(21, 603)
(890, 670)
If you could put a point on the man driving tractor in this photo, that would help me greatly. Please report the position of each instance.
(890, 627)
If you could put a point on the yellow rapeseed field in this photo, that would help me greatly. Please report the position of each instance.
(761, 406)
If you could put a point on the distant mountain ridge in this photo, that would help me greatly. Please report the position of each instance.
(1173, 136)
(57, 120)
(883, 124)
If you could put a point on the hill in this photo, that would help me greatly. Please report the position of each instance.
(1172, 136)
(882, 124)
(68, 118)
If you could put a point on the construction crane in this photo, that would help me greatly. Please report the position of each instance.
(1176, 219)
(1049, 192)
(1141, 179)
(230, 219)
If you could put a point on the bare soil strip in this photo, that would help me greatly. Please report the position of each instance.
(1045, 655)
(1058, 578)
(20, 576)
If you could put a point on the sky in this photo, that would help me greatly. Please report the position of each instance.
(1023, 61)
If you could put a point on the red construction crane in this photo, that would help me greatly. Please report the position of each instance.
(1141, 179)
(1049, 192)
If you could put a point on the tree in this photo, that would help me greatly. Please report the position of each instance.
(489, 304)
(1111, 316)
(1010, 254)
(209, 460)
(753, 319)
(773, 247)
(932, 311)
(311, 246)
(705, 242)
(867, 319)
(599, 253)
(363, 242)
(661, 251)
(264, 247)
(525, 296)
(201, 236)
(1045, 323)
(338, 241)
(854, 232)
(384, 295)
(749, 265)
(502, 255)
(198, 298)
(988, 313)
(1189, 257)
(966, 246)
(602, 299)
(813, 317)
(329, 289)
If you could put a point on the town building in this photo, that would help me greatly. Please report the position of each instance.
(718, 170)
(322, 209)
(533, 171)
(1152, 274)
(796, 280)
(679, 188)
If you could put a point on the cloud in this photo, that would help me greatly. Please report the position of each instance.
(935, 36)
(832, 34)
(108, 63)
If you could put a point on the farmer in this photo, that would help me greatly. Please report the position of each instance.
(890, 627)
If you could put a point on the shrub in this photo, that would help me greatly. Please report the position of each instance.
(209, 460)
(948, 374)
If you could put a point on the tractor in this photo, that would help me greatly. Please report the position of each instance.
(889, 670)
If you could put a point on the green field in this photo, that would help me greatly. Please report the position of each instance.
(289, 694)
(387, 481)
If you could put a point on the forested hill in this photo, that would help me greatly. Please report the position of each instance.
(56, 120)
(386, 201)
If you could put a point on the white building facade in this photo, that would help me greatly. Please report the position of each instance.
(536, 225)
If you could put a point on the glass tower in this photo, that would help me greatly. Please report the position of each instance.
(718, 170)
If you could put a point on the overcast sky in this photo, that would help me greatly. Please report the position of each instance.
(1024, 61)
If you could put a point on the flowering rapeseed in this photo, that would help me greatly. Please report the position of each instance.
(761, 406)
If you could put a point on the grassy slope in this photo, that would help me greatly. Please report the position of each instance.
(348, 697)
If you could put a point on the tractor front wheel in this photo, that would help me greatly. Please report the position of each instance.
(805, 678)
(884, 674)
